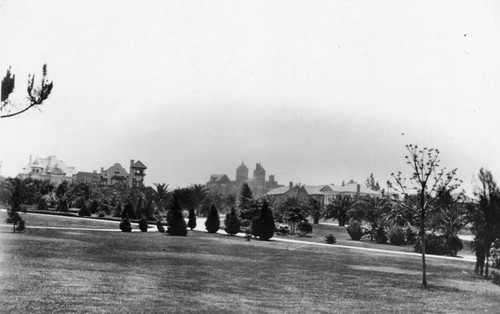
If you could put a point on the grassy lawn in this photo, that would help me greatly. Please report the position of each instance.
(64, 271)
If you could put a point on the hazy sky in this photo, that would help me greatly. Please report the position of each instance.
(317, 91)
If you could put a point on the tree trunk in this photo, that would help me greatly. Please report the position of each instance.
(316, 220)
(341, 222)
(424, 271)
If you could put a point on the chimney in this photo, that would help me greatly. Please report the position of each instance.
(131, 163)
(358, 189)
(102, 169)
(290, 185)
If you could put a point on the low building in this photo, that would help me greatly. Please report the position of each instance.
(321, 193)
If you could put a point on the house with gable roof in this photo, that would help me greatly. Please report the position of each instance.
(50, 168)
(115, 174)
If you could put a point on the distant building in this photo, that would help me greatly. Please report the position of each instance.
(257, 183)
(49, 168)
(322, 193)
(115, 174)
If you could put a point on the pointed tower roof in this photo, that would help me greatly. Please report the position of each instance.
(242, 166)
(139, 164)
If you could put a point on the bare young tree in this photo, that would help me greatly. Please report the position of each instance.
(36, 94)
(421, 191)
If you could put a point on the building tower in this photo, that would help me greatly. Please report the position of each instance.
(136, 175)
(259, 173)
(241, 173)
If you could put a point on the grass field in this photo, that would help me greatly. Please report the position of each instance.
(64, 271)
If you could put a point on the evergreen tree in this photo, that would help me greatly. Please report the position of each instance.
(175, 219)
(143, 224)
(232, 222)
(213, 221)
(245, 195)
(129, 211)
(263, 226)
(192, 219)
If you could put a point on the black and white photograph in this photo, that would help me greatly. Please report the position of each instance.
(230, 156)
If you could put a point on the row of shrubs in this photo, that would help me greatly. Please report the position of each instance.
(396, 235)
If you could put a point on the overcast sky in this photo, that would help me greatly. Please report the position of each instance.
(317, 91)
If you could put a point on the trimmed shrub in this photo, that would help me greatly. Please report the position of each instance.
(396, 235)
(125, 225)
(160, 227)
(175, 220)
(330, 239)
(263, 226)
(42, 205)
(213, 221)
(282, 229)
(355, 231)
(232, 222)
(304, 228)
(192, 219)
(84, 211)
(434, 244)
(143, 224)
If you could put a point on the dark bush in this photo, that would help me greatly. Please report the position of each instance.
(143, 224)
(232, 223)
(355, 231)
(380, 236)
(84, 211)
(304, 228)
(42, 205)
(213, 221)
(21, 225)
(330, 239)
(101, 214)
(160, 227)
(62, 205)
(434, 244)
(454, 244)
(263, 225)
(396, 235)
(125, 225)
(192, 219)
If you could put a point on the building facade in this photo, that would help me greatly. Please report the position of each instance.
(258, 183)
(115, 174)
(50, 168)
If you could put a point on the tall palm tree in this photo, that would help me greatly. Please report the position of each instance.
(338, 208)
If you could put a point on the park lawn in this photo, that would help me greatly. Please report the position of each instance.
(42, 220)
(61, 271)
